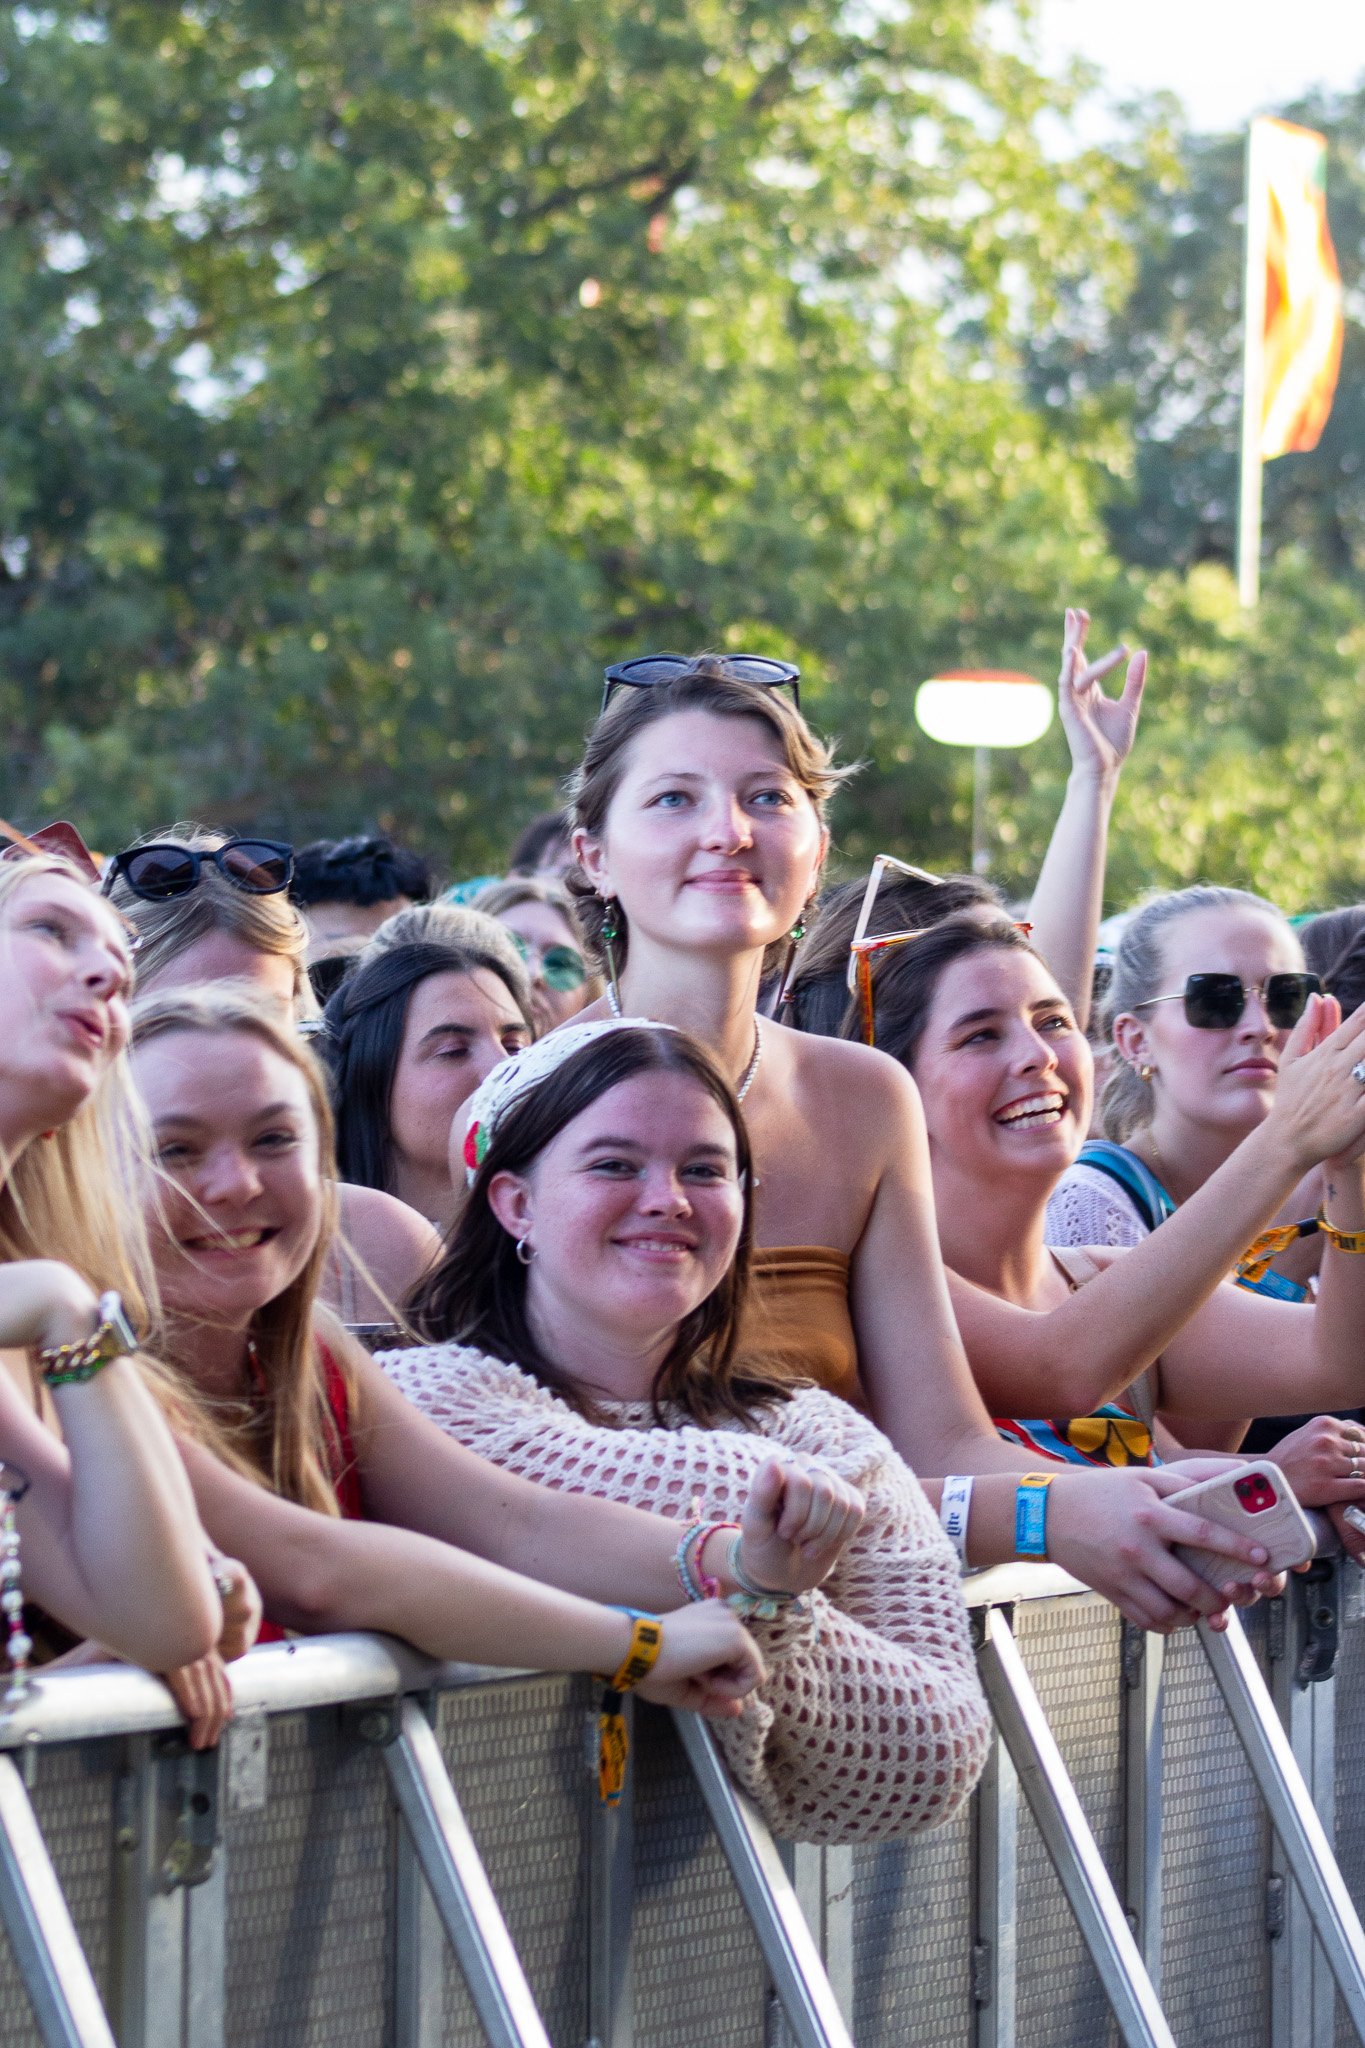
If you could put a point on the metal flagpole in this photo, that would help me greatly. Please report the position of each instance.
(1253, 378)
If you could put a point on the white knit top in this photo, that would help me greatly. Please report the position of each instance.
(1089, 1207)
(871, 1722)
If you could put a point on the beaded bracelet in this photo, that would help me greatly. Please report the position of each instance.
(697, 1583)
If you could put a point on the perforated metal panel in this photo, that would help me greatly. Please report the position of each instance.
(73, 1799)
(308, 1882)
(912, 1933)
(1071, 1649)
(1215, 1985)
(517, 1757)
(1350, 1754)
(699, 1980)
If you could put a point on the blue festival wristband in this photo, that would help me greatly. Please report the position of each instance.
(1030, 1514)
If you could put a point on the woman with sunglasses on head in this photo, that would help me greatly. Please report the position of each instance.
(409, 1038)
(584, 1321)
(204, 907)
(1005, 1075)
(352, 1509)
(700, 832)
(538, 912)
(109, 1545)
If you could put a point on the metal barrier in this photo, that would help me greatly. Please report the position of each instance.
(385, 1852)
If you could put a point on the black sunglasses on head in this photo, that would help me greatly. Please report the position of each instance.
(161, 870)
(1215, 1002)
(647, 670)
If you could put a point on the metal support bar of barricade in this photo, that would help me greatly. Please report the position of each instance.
(1141, 1720)
(789, 1951)
(459, 1884)
(1292, 1812)
(995, 1909)
(168, 1941)
(1302, 1633)
(1066, 1833)
(46, 1947)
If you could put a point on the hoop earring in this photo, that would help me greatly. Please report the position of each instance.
(525, 1250)
(611, 932)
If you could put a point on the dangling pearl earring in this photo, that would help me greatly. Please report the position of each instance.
(611, 932)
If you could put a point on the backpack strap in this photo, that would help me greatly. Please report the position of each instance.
(1137, 1180)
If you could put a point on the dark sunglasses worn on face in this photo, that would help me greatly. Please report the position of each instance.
(1215, 1002)
(647, 670)
(161, 870)
(559, 967)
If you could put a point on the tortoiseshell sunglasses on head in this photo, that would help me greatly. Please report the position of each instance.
(862, 949)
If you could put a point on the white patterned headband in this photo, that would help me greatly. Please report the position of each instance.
(514, 1078)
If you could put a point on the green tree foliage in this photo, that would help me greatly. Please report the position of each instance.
(370, 375)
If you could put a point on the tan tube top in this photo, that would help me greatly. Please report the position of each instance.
(797, 1322)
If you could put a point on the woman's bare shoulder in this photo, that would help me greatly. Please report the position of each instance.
(858, 1075)
(396, 1244)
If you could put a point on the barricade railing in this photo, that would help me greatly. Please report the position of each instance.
(385, 1851)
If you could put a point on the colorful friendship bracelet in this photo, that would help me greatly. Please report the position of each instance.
(697, 1583)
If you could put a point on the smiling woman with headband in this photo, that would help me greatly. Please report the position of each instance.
(354, 1511)
(584, 1320)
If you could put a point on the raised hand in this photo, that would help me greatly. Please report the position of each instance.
(1099, 730)
(1319, 1107)
(797, 1521)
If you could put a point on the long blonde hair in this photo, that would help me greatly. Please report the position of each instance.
(268, 924)
(288, 1439)
(65, 1196)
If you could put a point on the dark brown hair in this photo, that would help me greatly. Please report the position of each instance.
(1334, 950)
(905, 979)
(706, 685)
(819, 1000)
(477, 1293)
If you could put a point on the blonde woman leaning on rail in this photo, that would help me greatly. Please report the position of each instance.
(110, 1543)
(586, 1312)
(352, 1510)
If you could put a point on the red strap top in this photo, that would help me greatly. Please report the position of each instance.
(343, 1468)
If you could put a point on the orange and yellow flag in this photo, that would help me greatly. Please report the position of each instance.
(1302, 324)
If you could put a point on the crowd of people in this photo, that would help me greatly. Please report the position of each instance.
(659, 1261)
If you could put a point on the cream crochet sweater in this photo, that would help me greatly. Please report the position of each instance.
(871, 1722)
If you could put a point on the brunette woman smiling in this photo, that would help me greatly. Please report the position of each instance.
(700, 830)
(1006, 1079)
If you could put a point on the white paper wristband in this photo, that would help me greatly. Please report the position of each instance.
(954, 1511)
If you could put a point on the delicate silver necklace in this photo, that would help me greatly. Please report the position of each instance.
(746, 1079)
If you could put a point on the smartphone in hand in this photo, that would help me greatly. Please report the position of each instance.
(1254, 1500)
